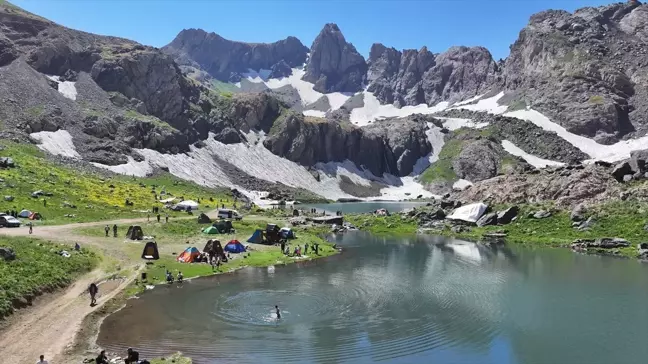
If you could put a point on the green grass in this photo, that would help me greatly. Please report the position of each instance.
(38, 268)
(35, 111)
(383, 225)
(173, 359)
(442, 170)
(517, 105)
(149, 118)
(618, 219)
(92, 193)
(224, 88)
(597, 100)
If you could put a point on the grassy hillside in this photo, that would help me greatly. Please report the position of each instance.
(96, 197)
(37, 268)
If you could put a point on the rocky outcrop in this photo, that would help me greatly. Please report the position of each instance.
(226, 60)
(414, 77)
(334, 65)
(587, 71)
(308, 141)
(566, 187)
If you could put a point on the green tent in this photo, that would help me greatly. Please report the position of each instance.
(210, 230)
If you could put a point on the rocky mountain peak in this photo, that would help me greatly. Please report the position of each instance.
(334, 65)
(226, 60)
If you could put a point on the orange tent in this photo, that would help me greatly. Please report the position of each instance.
(189, 255)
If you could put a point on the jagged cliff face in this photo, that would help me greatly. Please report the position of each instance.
(226, 60)
(414, 77)
(587, 70)
(334, 65)
(390, 146)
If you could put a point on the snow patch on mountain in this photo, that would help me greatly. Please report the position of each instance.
(56, 142)
(304, 89)
(130, 168)
(489, 105)
(531, 159)
(468, 101)
(609, 153)
(315, 113)
(66, 88)
(457, 123)
(373, 110)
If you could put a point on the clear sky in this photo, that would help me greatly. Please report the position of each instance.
(437, 24)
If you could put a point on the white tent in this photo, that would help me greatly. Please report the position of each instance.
(469, 213)
(24, 213)
(188, 204)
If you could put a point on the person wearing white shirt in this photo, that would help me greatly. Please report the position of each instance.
(42, 360)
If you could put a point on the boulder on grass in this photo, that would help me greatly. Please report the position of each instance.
(620, 170)
(488, 219)
(9, 198)
(542, 214)
(578, 213)
(506, 216)
(7, 254)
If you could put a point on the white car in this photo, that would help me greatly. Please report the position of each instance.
(9, 221)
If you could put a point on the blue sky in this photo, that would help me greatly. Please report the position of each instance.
(403, 24)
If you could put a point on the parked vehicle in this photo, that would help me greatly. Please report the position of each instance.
(229, 214)
(9, 221)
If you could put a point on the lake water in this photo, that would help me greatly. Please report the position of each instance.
(422, 299)
(362, 207)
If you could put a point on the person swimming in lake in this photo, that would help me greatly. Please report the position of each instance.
(278, 312)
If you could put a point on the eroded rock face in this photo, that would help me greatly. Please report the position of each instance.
(478, 160)
(334, 65)
(414, 77)
(586, 70)
(226, 60)
(308, 141)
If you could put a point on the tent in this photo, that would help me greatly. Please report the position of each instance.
(204, 219)
(135, 233)
(210, 230)
(287, 233)
(35, 216)
(469, 213)
(24, 213)
(257, 237)
(211, 245)
(223, 226)
(189, 255)
(187, 205)
(150, 251)
(234, 246)
(170, 199)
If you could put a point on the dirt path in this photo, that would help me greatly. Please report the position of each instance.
(51, 325)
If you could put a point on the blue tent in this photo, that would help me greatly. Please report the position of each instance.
(257, 237)
(234, 246)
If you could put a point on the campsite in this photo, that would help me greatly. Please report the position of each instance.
(178, 235)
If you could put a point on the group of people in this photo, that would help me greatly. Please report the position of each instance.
(159, 217)
(169, 277)
(297, 252)
(114, 229)
(131, 358)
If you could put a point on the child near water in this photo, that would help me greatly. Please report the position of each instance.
(278, 312)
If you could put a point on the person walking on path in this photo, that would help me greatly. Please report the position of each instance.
(166, 218)
(115, 230)
(148, 217)
(31, 227)
(107, 229)
(158, 217)
(93, 289)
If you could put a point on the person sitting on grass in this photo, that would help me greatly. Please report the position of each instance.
(180, 277)
(169, 277)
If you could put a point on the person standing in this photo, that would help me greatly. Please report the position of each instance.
(166, 218)
(158, 217)
(306, 248)
(93, 289)
(107, 229)
(31, 227)
(148, 217)
(278, 312)
(42, 360)
(115, 230)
